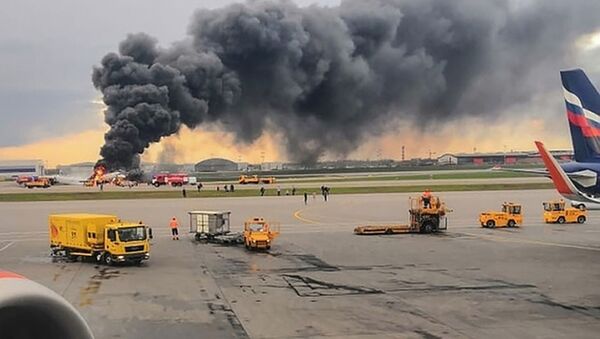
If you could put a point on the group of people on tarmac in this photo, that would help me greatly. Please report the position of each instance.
(226, 188)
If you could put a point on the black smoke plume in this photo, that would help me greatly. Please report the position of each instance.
(326, 78)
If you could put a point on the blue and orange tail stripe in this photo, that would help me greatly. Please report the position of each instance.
(583, 107)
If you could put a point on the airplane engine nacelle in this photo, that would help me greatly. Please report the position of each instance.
(30, 310)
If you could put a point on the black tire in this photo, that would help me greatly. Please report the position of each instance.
(98, 257)
(156, 184)
(511, 223)
(70, 257)
(581, 207)
(268, 247)
(427, 227)
(560, 220)
(581, 219)
(388, 231)
(108, 259)
(137, 262)
(490, 224)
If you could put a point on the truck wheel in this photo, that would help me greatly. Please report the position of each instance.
(490, 224)
(388, 231)
(581, 207)
(581, 219)
(560, 220)
(511, 223)
(137, 262)
(99, 257)
(108, 259)
(427, 227)
(156, 184)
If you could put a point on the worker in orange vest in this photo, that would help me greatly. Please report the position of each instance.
(174, 225)
(426, 198)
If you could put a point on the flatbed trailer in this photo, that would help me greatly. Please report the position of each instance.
(223, 239)
(430, 219)
(384, 229)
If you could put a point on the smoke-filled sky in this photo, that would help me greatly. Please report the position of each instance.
(318, 80)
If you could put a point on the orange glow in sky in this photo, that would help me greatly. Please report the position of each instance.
(191, 146)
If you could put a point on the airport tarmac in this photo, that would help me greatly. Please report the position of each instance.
(321, 280)
(11, 187)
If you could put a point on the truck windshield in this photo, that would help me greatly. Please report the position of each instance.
(255, 227)
(132, 233)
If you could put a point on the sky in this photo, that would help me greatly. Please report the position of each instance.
(50, 110)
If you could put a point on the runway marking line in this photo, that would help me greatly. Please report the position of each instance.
(299, 217)
(6, 246)
(23, 233)
(527, 241)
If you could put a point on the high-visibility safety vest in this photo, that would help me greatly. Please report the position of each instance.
(174, 223)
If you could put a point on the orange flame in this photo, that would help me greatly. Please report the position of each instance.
(98, 176)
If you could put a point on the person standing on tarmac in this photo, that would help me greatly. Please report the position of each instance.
(426, 198)
(305, 198)
(174, 231)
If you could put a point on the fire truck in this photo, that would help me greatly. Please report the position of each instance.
(173, 179)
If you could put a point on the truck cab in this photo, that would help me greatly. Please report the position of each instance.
(557, 212)
(510, 216)
(125, 242)
(259, 234)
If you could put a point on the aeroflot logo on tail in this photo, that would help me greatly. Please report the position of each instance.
(588, 121)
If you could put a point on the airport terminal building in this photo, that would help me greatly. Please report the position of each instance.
(13, 168)
(500, 158)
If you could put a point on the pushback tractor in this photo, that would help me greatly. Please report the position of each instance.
(259, 233)
(556, 212)
(510, 216)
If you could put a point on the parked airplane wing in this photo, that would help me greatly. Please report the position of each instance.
(582, 177)
(522, 170)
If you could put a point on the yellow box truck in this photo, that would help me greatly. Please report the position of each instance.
(104, 238)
